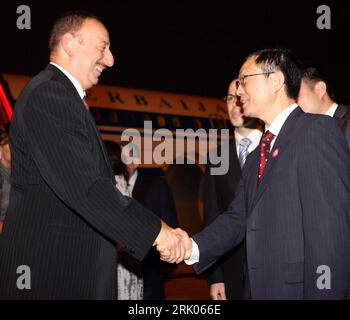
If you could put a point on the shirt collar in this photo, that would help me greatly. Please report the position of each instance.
(332, 109)
(254, 135)
(74, 81)
(279, 121)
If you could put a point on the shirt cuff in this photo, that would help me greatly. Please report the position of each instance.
(194, 258)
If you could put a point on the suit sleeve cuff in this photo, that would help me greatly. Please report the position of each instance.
(195, 254)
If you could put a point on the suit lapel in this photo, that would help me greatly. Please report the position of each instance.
(233, 161)
(69, 85)
(339, 114)
(100, 142)
(233, 152)
(251, 166)
(280, 146)
(61, 77)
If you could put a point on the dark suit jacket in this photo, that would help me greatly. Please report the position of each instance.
(65, 215)
(342, 115)
(220, 191)
(155, 194)
(296, 220)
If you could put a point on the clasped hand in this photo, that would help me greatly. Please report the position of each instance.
(174, 245)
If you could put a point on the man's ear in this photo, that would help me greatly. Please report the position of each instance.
(68, 44)
(320, 89)
(278, 80)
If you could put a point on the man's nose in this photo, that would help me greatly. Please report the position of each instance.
(108, 58)
(240, 89)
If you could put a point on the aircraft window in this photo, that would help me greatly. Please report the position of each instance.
(97, 115)
(113, 117)
(176, 122)
(147, 117)
(217, 123)
(131, 118)
(197, 124)
(161, 121)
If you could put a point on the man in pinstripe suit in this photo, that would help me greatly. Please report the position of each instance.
(65, 215)
(293, 201)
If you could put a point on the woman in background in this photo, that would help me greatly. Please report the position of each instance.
(129, 270)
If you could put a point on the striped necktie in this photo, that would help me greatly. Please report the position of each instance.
(243, 150)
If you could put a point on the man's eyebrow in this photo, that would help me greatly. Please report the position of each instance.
(107, 43)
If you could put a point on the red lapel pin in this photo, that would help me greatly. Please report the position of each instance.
(275, 153)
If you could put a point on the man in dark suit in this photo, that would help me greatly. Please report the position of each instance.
(317, 96)
(65, 215)
(226, 276)
(293, 201)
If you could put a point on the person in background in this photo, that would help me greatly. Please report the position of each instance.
(129, 270)
(226, 277)
(5, 173)
(317, 96)
(154, 193)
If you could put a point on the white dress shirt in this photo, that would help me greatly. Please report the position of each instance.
(132, 181)
(74, 81)
(332, 109)
(274, 128)
(277, 124)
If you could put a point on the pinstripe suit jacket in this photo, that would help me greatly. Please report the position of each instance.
(65, 215)
(296, 220)
(342, 115)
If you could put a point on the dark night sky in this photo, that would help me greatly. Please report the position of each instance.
(186, 46)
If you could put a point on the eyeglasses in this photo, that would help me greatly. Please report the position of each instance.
(242, 77)
(230, 98)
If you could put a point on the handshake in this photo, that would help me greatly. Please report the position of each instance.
(174, 245)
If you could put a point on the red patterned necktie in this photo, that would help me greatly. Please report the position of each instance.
(86, 103)
(265, 144)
